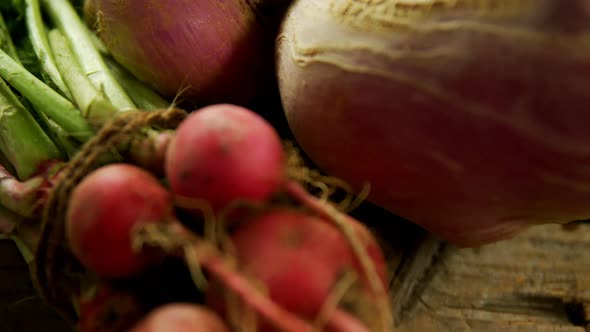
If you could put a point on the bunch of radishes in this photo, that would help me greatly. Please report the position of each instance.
(266, 254)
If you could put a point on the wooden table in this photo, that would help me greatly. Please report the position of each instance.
(538, 281)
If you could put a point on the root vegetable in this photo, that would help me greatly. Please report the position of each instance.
(222, 153)
(466, 118)
(108, 309)
(299, 260)
(181, 317)
(105, 209)
(208, 51)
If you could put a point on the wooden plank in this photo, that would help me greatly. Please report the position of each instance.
(538, 281)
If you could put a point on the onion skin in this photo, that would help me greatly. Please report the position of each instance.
(206, 51)
(470, 122)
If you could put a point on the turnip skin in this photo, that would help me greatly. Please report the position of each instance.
(473, 124)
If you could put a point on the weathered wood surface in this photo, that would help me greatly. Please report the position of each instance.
(538, 281)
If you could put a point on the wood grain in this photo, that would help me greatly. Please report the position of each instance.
(538, 281)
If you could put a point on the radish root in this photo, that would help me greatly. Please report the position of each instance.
(329, 212)
(199, 252)
(327, 185)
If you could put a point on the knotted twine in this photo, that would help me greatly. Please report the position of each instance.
(55, 272)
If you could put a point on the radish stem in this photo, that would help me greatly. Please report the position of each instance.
(58, 135)
(21, 231)
(68, 21)
(328, 211)
(45, 99)
(143, 96)
(212, 261)
(22, 141)
(38, 37)
(6, 43)
(198, 253)
(92, 104)
(344, 322)
(9, 221)
(19, 197)
(54, 131)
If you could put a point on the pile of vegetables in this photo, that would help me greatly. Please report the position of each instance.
(200, 221)
(465, 117)
(138, 161)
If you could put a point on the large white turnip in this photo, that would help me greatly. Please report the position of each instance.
(469, 118)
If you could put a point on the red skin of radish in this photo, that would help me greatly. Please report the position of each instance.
(298, 257)
(225, 152)
(108, 310)
(211, 51)
(181, 317)
(472, 133)
(104, 209)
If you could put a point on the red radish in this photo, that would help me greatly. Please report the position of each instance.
(469, 118)
(217, 50)
(223, 153)
(104, 210)
(353, 230)
(106, 309)
(298, 257)
(181, 317)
